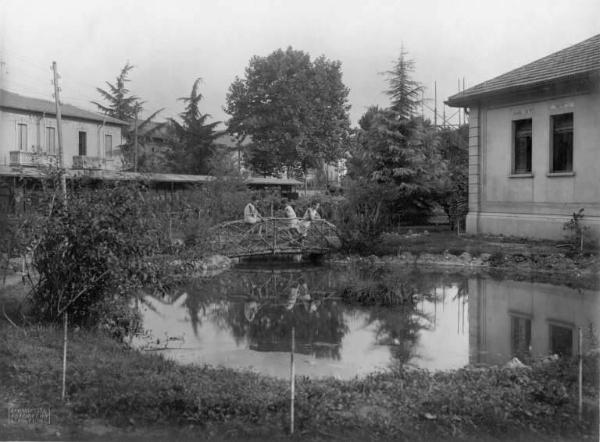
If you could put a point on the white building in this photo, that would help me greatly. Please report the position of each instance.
(534, 145)
(29, 138)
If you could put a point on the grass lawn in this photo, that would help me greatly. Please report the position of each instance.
(120, 394)
(438, 241)
(128, 395)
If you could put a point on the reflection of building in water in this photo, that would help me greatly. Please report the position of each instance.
(524, 319)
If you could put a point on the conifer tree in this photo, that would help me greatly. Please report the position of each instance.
(194, 141)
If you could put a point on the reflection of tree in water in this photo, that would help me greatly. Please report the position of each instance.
(255, 306)
(399, 327)
(317, 331)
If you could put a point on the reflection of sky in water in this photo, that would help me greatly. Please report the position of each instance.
(443, 331)
(444, 344)
(216, 346)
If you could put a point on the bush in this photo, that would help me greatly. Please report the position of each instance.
(363, 215)
(92, 256)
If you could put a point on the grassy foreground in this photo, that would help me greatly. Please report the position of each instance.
(127, 390)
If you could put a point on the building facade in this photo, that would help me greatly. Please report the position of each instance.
(29, 135)
(534, 145)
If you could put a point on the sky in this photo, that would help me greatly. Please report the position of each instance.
(171, 43)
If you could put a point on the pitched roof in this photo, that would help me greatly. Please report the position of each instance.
(108, 175)
(272, 181)
(581, 58)
(15, 101)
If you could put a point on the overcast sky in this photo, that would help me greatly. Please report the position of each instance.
(171, 43)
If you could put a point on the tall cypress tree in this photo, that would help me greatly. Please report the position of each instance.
(404, 92)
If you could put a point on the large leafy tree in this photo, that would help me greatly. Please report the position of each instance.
(122, 104)
(193, 144)
(295, 110)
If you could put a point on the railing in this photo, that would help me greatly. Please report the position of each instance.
(92, 163)
(273, 236)
(35, 159)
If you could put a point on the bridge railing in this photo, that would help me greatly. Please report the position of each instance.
(273, 236)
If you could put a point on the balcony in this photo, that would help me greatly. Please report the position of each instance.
(92, 163)
(31, 159)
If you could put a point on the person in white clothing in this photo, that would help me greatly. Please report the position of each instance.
(291, 218)
(251, 214)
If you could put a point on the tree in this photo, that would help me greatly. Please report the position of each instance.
(194, 141)
(455, 152)
(123, 105)
(398, 151)
(404, 92)
(295, 111)
(93, 254)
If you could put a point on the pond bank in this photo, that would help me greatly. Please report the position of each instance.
(107, 387)
(544, 261)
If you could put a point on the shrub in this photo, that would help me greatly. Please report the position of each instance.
(576, 231)
(92, 256)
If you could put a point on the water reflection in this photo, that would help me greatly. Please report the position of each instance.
(526, 319)
(244, 318)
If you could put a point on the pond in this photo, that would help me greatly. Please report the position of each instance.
(243, 319)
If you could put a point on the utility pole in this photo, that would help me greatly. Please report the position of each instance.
(435, 105)
(459, 107)
(135, 140)
(63, 185)
(61, 160)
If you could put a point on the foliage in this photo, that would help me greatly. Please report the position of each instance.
(194, 141)
(222, 199)
(364, 213)
(376, 293)
(123, 105)
(576, 230)
(405, 93)
(401, 156)
(109, 382)
(453, 145)
(294, 109)
(92, 255)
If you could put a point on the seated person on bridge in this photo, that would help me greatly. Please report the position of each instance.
(292, 219)
(311, 214)
(251, 215)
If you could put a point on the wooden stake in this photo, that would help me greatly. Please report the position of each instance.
(580, 375)
(292, 381)
(64, 373)
(135, 140)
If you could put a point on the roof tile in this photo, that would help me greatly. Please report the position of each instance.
(20, 102)
(581, 58)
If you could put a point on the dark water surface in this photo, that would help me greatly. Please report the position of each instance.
(243, 318)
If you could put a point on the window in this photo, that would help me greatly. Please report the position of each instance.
(522, 146)
(520, 336)
(561, 340)
(51, 140)
(108, 145)
(82, 144)
(22, 136)
(562, 143)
